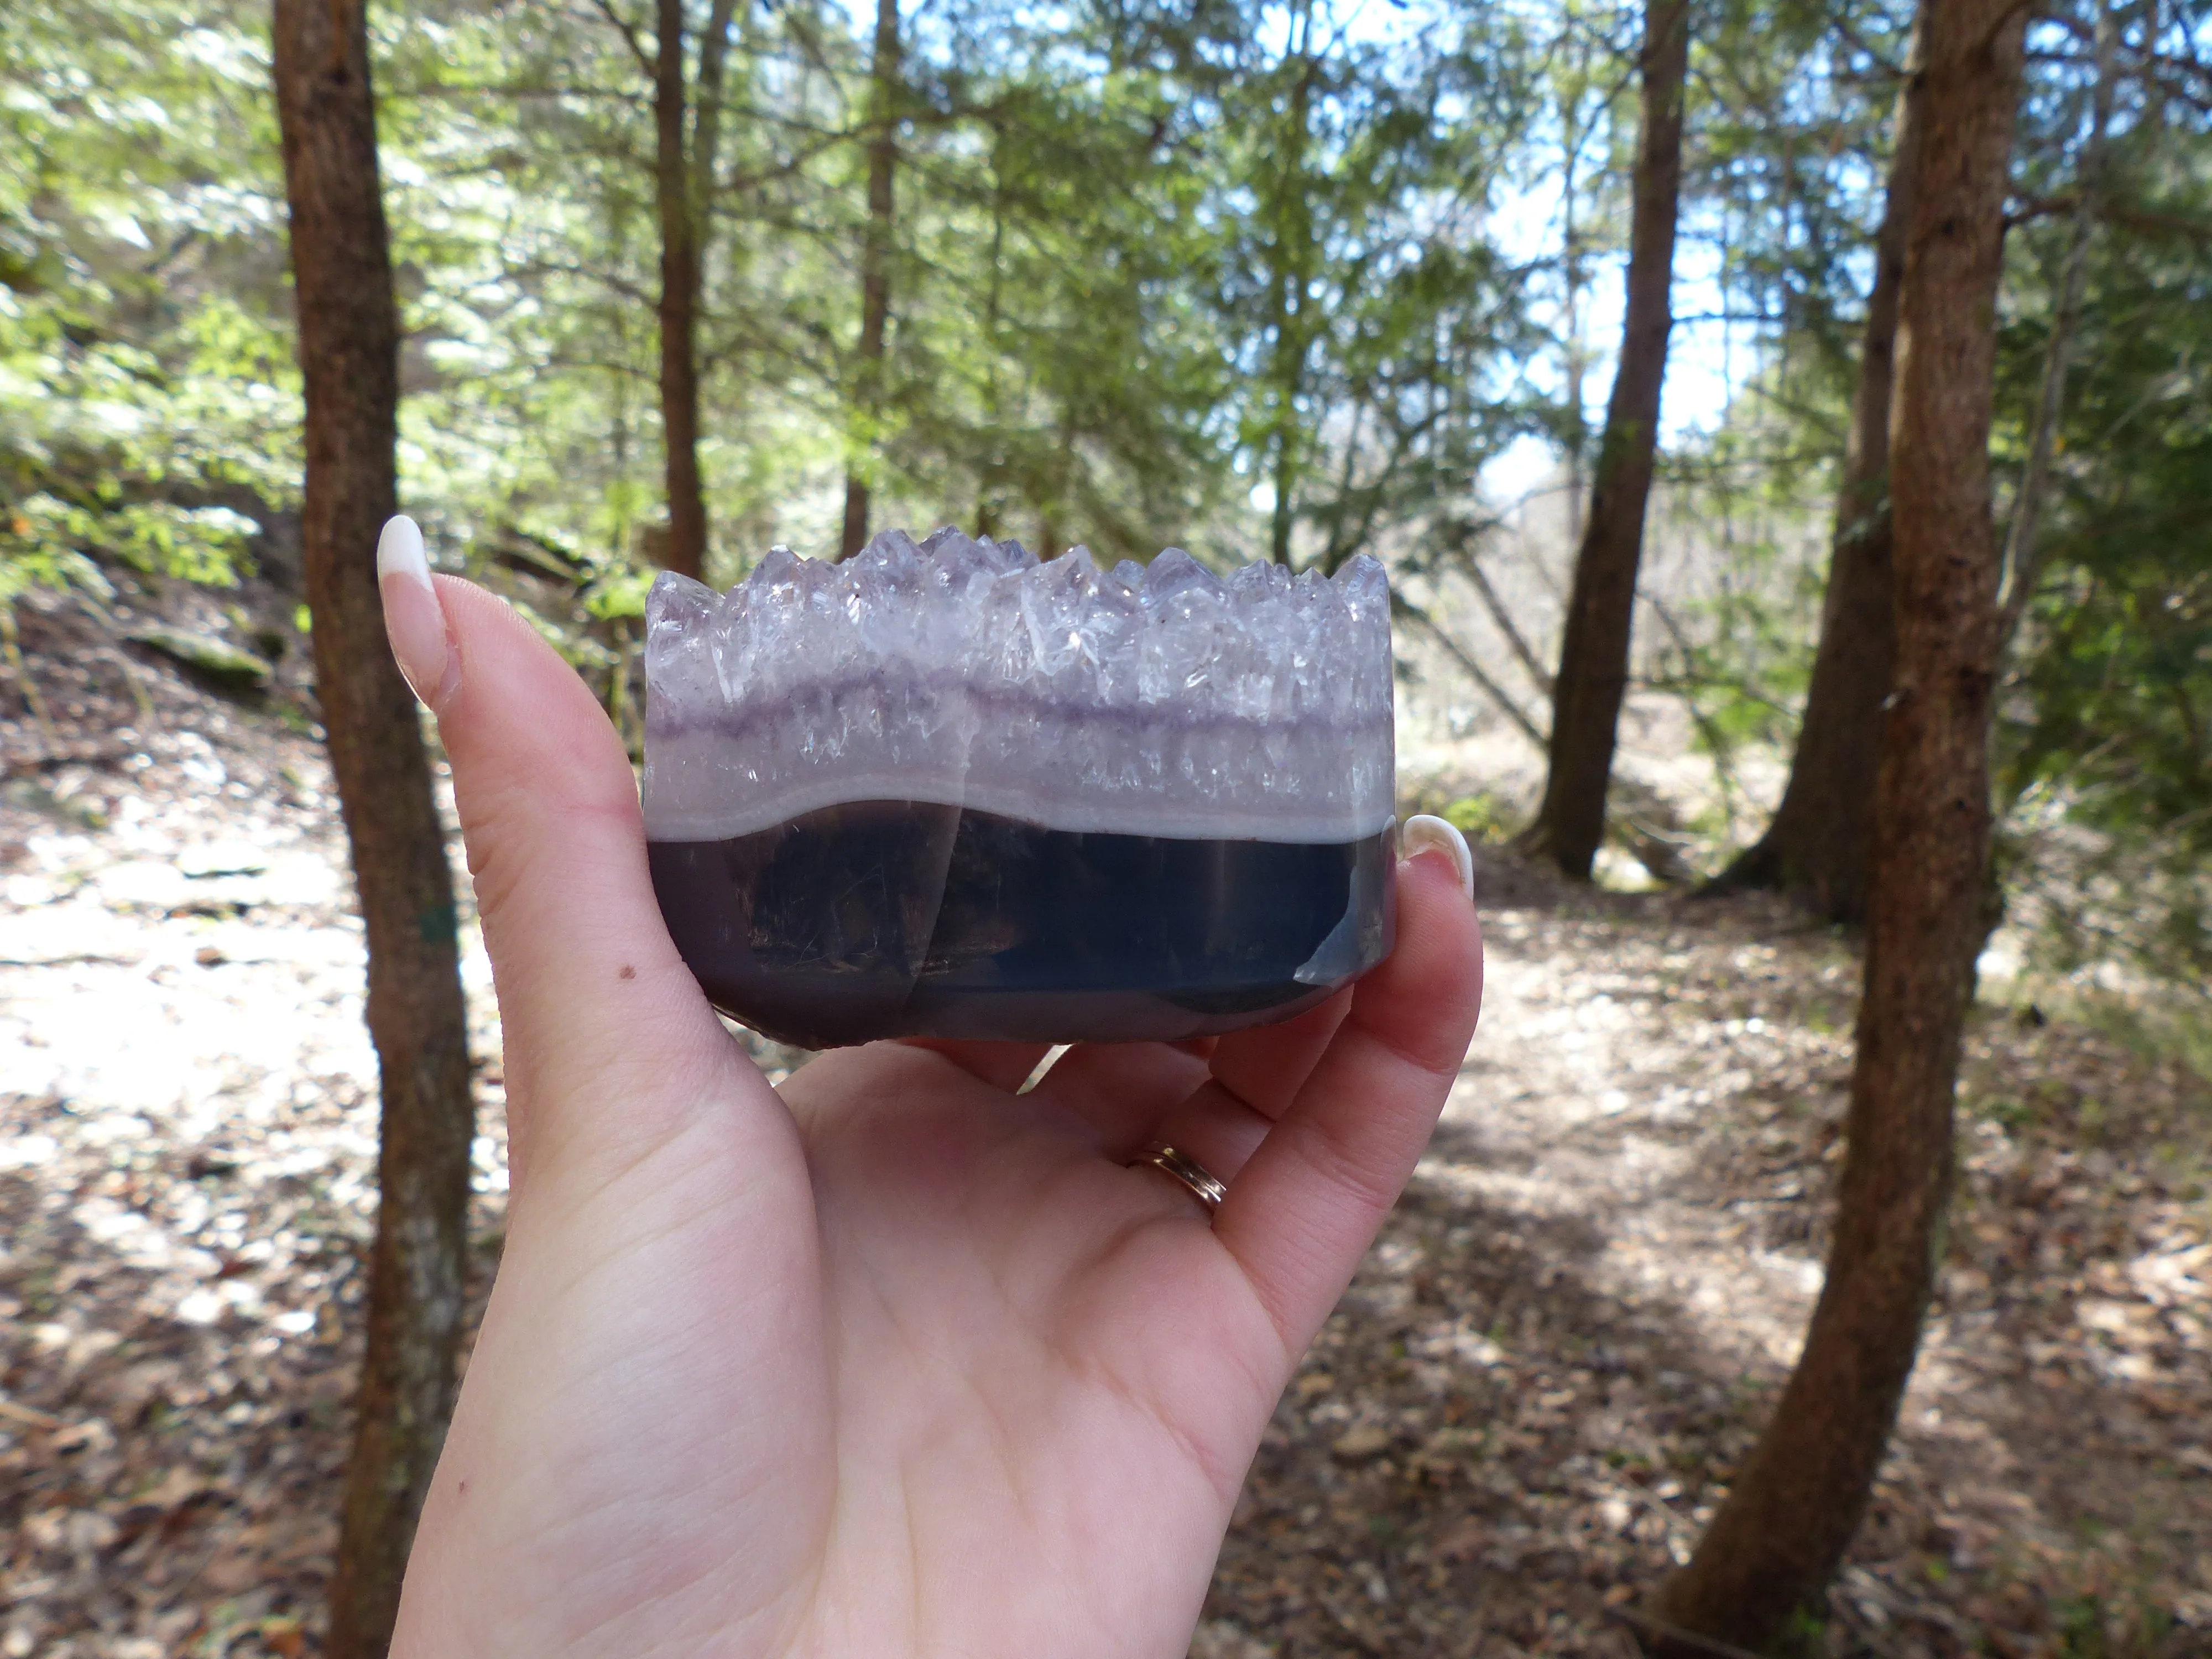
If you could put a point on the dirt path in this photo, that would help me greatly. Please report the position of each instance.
(1575, 1325)
(1568, 1335)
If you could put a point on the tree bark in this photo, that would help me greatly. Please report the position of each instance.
(680, 298)
(1601, 610)
(349, 339)
(1578, 360)
(875, 259)
(705, 160)
(1816, 848)
(1290, 252)
(1766, 1560)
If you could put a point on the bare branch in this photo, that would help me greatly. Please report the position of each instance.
(1724, 752)
(645, 61)
(2117, 214)
(1514, 639)
(1859, 43)
(503, 89)
(1406, 610)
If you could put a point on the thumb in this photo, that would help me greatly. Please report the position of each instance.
(600, 1015)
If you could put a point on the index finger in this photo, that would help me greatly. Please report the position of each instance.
(1302, 1212)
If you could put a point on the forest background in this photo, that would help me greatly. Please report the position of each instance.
(1256, 280)
(1290, 281)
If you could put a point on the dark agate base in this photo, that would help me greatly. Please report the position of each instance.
(903, 919)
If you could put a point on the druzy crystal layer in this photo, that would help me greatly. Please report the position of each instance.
(1155, 701)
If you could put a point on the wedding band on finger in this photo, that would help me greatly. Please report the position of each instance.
(1204, 1185)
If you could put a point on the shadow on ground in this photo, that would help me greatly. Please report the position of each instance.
(1576, 1324)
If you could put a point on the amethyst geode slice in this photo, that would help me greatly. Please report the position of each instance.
(945, 790)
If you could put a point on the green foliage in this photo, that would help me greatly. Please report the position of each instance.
(2105, 739)
(2105, 775)
(1793, 116)
(1041, 366)
(1483, 817)
(1233, 275)
(145, 377)
(619, 593)
(1353, 279)
(1121, 294)
(1740, 652)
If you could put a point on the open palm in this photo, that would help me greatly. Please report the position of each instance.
(898, 1361)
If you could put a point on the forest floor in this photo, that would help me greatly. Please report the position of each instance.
(1515, 1426)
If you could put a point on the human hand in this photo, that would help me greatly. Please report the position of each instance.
(893, 1361)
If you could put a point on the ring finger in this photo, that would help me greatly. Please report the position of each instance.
(1256, 1076)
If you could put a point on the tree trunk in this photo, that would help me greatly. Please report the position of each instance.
(1816, 848)
(1767, 1559)
(1290, 252)
(679, 301)
(1577, 361)
(348, 355)
(989, 482)
(1593, 655)
(707, 126)
(875, 260)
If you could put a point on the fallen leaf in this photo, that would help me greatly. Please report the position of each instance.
(1357, 1444)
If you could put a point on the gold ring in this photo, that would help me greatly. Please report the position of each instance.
(1205, 1185)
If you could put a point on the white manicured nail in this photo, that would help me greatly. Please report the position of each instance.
(414, 621)
(1422, 832)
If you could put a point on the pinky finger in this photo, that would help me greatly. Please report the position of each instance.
(1302, 1212)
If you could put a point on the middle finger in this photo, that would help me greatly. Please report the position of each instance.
(1119, 1088)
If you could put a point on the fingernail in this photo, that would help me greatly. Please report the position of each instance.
(414, 621)
(1422, 832)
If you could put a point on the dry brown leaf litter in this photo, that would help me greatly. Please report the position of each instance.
(1519, 1421)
